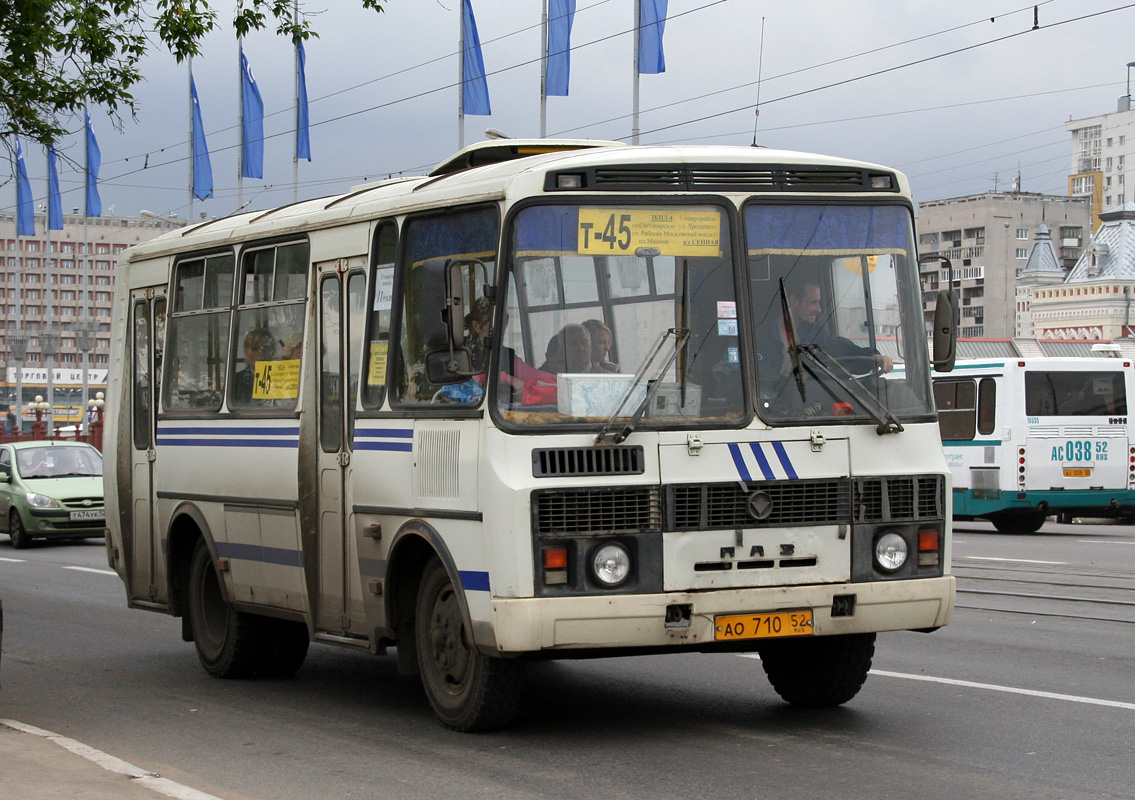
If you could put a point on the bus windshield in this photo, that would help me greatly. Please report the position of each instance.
(836, 305)
(595, 291)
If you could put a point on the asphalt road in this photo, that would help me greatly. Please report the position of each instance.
(1027, 694)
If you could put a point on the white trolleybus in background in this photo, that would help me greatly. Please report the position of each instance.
(1031, 438)
(553, 400)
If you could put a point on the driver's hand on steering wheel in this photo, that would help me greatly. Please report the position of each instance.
(884, 363)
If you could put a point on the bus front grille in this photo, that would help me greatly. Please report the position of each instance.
(716, 506)
(596, 511)
(900, 498)
(573, 461)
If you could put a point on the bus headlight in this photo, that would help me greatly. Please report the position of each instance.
(610, 564)
(890, 551)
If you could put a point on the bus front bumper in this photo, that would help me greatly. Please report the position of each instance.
(526, 625)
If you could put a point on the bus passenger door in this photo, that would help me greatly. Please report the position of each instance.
(342, 299)
(147, 328)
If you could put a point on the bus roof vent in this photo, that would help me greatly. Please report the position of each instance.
(568, 461)
(498, 150)
(727, 178)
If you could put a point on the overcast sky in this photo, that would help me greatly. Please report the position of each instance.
(383, 98)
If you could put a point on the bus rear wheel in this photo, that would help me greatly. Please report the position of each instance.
(1018, 521)
(467, 690)
(818, 672)
(230, 644)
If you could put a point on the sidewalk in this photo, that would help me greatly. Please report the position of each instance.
(39, 764)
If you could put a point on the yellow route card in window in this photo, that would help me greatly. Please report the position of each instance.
(276, 380)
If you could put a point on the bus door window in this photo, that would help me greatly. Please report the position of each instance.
(986, 406)
(356, 322)
(330, 366)
(269, 328)
(142, 392)
(957, 409)
(382, 303)
(460, 234)
(199, 333)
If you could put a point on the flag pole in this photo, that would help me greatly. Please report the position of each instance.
(240, 125)
(544, 75)
(192, 158)
(634, 91)
(461, 77)
(47, 341)
(296, 154)
(86, 276)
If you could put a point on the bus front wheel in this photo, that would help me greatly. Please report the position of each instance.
(1018, 521)
(468, 691)
(818, 672)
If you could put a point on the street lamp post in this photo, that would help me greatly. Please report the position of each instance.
(49, 346)
(39, 427)
(18, 344)
(85, 341)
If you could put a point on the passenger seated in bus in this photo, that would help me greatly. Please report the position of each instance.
(258, 346)
(568, 351)
(601, 338)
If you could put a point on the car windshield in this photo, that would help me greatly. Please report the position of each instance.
(837, 313)
(619, 310)
(58, 462)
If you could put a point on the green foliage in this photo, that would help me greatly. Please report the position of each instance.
(57, 55)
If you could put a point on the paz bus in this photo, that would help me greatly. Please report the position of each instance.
(1031, 438)
(516, 409)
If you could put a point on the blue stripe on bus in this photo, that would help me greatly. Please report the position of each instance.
(474, 581)
(265, 555)
(228, 442)
(735, 451)
(782, 454)
(762, 462)
(404, 447)
(222, 431)
(390, 433)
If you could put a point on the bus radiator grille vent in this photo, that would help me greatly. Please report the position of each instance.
(437, 464)
(574, 461)
(907, 497)
(598, 511)
(720, 506)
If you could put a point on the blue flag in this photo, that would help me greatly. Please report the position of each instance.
(54, 203)
(202, 167)
(252, 130)
(303, 141)
(561, 15)
(25, 214)
(652, 24)
(474, 87)
(94, 161)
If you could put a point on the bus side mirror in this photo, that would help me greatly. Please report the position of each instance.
(445, 287)
(944, 339)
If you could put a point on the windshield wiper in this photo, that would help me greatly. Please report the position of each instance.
(888, 422)
(605, 436)
(793, 347)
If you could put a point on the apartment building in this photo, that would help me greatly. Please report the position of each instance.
(1103, 158)
(988, 239)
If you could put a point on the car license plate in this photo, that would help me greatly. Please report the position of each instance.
(733, 627)
(89, 515)
(1077, 472)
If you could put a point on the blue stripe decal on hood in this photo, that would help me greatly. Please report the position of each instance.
(762, 462)
(782, 454)
(738, 459)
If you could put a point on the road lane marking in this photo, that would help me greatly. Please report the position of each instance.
(92, 569)
(15, 560)
(1010, 689)
(1015, 560)
(993, 687)
(108, 762)
(1102, 541)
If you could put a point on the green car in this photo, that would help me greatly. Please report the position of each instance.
(50, 490)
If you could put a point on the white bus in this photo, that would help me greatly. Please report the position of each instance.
(1030, 438)
(538, 403)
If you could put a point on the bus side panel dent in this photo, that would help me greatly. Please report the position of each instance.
(530, 625)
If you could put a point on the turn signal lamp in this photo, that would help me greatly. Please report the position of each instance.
(555, 565)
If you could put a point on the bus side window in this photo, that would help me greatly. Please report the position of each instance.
(957, 410)
(986, 406)
(199, 334)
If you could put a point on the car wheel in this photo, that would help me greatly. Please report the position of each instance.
(468, 691)
(18, 532)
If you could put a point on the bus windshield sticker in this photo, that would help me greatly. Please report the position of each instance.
(376, 375)
(608, 231)
(276, 380)
(384, 289)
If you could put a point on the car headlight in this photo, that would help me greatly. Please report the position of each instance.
(41, 500)
(611, 564)
(890, 551)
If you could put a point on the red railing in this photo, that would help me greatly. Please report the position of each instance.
(40, 432)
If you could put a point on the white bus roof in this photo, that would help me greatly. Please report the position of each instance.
(463, 179)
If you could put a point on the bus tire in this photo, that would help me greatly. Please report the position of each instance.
(1018, 521)
(229, 643)
(818, 672)
(467, 690)
(16, 530)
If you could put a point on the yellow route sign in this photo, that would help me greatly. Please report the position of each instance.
(276, 380)
(673, 232)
